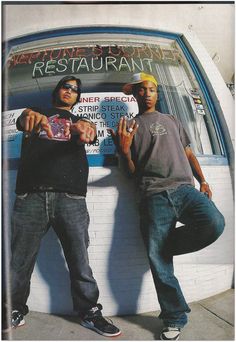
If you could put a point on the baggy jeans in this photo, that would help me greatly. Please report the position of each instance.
(203, 224)
(33, 214)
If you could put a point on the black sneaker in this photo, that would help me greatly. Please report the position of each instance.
(17, 319)
(170, 333)
(95, 321)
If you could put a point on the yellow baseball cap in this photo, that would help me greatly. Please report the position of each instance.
(138, 78)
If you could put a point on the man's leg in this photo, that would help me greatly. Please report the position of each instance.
(203, 221)
(28, 227)
(71, 225)
(157, 219)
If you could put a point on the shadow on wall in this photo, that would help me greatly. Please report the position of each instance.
(53, 269)
(127, 261)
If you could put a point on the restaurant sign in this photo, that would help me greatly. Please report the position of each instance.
(66, 60)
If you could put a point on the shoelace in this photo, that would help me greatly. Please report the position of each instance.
(16, 318)
(172, 329)
(102, 319)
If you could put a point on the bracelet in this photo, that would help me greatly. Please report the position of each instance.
(204, 182)
(86, 120)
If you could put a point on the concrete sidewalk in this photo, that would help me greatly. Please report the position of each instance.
(211, 319)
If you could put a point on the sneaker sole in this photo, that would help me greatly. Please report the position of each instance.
(168, 339)
(88, 326)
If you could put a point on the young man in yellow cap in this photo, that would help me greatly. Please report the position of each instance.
(156, 151)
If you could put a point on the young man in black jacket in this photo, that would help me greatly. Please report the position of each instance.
(50, 191)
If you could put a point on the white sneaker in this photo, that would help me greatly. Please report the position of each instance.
(170, 333)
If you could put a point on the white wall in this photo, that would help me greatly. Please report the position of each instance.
(117, 254)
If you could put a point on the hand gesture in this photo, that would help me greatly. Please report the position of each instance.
(124, 136)
(85, 130)
(34, 122)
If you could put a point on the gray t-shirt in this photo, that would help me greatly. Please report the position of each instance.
(158, 153)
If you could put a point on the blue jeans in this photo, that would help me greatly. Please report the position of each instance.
(33, 214)
(203, 224)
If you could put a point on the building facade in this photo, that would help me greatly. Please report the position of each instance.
(104, 56)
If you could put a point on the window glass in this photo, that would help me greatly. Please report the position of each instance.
(104, 64)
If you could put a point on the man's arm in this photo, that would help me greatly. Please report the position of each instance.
(123, 139)
(197, 171)
(127, 163)
(31, 121)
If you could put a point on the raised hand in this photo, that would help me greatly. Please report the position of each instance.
(85, 130)
(124, 136)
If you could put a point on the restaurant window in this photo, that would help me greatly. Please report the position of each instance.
(104, 63)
